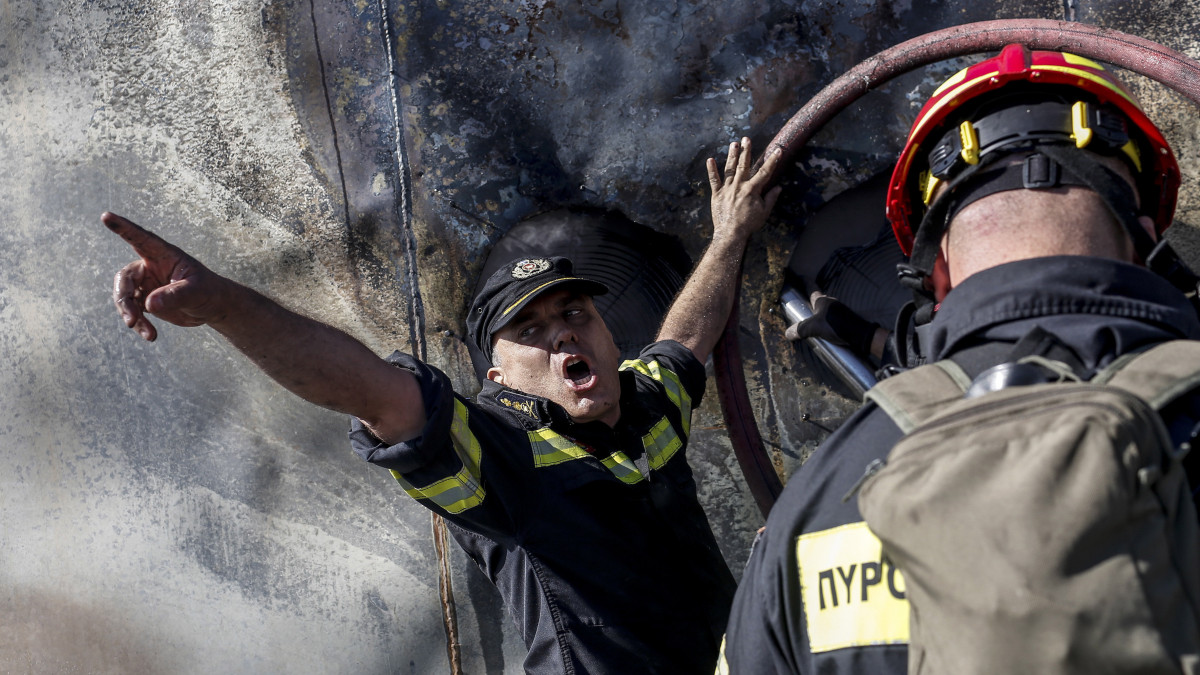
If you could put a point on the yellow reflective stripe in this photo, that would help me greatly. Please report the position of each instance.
(670, 381)
(1077, 60)
(1093, 78)
(463, 490)
(853, 597)
(465, 443)
(722, 662)
(623, 468)
(455, 493)
(551, 448)
(661, 443)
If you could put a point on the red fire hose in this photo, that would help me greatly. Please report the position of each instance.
(1139, 55)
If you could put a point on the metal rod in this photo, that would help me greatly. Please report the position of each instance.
(847, 365)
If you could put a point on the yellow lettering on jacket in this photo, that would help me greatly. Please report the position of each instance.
(853, 597)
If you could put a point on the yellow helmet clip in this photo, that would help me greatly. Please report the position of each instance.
(927, 182)
(970, 142)
(1080, 132)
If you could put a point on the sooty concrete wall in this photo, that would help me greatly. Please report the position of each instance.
(166, 509)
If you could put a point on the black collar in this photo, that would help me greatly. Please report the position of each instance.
(536, 412)
(1000, 303)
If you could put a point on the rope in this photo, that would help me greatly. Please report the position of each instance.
(417, 331)
(446, 591)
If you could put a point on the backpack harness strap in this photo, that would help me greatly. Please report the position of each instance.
(1159, 375)
(914, 396)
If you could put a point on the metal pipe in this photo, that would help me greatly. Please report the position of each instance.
(847, 365)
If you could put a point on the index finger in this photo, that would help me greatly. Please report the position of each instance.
(714, 178)
(144, 242)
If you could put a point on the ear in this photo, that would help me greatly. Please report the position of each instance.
(940, 278)
(1147, 224)
(497, 375)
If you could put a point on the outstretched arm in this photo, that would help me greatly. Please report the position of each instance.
(739, 209)
(317, 362)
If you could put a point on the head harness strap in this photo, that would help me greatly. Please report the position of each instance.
(1048, 165)
(1114, 190)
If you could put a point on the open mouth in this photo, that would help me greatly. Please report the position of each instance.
(578, 371)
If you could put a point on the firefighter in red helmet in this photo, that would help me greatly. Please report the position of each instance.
(1030, 196)
(1062, 116)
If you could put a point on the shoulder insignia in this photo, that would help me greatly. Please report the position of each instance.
(526, 405)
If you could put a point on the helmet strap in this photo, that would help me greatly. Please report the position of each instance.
(927, 243)
(1165, 262)
(1159, 257)
(1115, 191)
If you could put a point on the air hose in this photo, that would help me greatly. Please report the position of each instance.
(1153, 60)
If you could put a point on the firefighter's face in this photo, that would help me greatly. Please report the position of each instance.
(559, 347)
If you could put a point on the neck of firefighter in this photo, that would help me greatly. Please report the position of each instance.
(1023, 224)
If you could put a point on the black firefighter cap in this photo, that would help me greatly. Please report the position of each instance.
(513, 286)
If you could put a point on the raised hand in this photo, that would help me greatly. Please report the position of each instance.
(165, 282)
(739, 209)
(739, 205)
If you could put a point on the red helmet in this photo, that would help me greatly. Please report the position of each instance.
(1094, 111)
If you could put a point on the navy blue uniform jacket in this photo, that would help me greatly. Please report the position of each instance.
(593, 534)
(855, 618)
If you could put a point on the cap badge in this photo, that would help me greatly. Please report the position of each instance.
(530, 267)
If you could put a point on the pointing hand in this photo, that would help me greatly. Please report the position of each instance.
(165, 282)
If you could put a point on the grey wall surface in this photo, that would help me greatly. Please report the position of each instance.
(166, 509)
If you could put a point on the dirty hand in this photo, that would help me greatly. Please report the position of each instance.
(165, 282)
(739, 206)
(837, 323)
